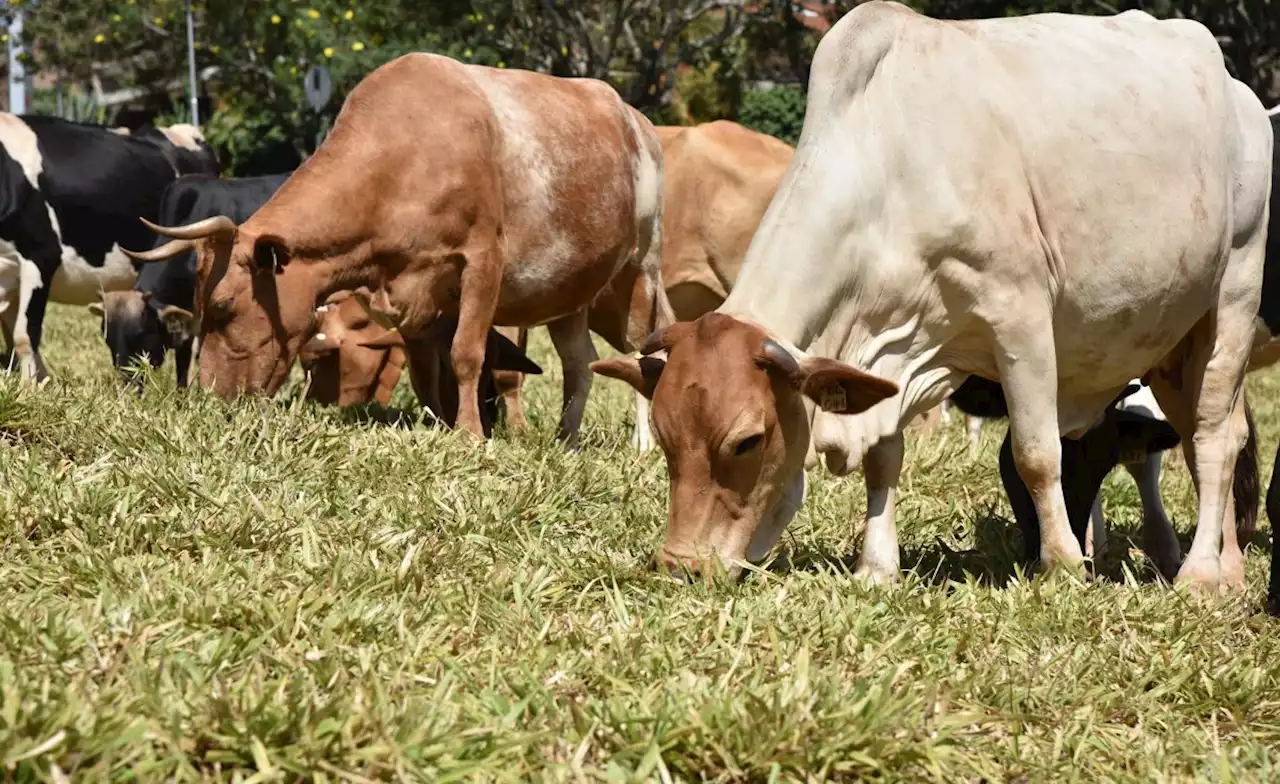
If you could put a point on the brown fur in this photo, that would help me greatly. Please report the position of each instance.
(343, 370)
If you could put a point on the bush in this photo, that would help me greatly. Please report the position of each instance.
(778, 112)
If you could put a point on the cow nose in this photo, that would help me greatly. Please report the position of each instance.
(679, 568)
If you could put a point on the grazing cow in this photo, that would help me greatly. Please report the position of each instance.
(718, 179)
(1063, 234)
(156, 315)
(516, 206)
(352, 360)
(73, 195)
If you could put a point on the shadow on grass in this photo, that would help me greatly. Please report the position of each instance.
(996, 556)
(374, 414)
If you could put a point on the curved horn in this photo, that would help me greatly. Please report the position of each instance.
(663, 339)
(217, 225)
(163, 253)
(774, 355)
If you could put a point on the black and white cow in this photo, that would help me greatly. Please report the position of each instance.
(73, 194)
(156, 315)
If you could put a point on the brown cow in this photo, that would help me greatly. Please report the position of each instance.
(350, 359)
(497, 196)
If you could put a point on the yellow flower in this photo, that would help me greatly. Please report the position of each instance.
(349, 15)
(116, 17)
(328, 51)
(215, 48)
(358, 46)
(313, 13)
(159, 21)
(275, 19)
(467, 53)
(501, 64)
(99, 38)
(564, 50)
(489, 28)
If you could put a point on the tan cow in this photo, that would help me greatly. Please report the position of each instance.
(496, 196)
(1061, 203)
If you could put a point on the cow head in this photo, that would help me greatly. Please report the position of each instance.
(351, 359)
(137, 328)
(729, 412)
(254, 308)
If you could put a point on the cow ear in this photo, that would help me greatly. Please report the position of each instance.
(269, 253)
(96, 309)
(502, 354)
(180, 323)
(642, 373)
(842, 389)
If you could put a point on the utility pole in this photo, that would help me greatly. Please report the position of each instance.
(191, 66)
(17, 73)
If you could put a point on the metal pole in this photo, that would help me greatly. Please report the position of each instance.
(191, 66)
(17, 74)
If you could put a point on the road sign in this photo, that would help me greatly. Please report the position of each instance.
(318, 87)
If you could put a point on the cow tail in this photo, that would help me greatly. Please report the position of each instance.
(1246, 485)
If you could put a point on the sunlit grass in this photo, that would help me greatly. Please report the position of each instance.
(192, 589)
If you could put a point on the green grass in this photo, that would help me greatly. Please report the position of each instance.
(193, 589)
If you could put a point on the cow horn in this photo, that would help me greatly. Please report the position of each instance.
(209, 227)
(663, 339)
(163, 253)
(778, 357)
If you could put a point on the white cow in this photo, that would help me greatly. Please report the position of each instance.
(1059, 202)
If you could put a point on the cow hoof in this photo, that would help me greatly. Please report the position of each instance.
(1200, 574)
(1232, 572)
(876, 575)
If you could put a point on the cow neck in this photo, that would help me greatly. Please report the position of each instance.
(815, 279)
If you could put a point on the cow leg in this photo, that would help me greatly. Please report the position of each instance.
(573, 344)
(1158, 538)
(1204, 402)
(481, 282)
(1273, 512)
(509, 382)
(1096, 537)
(33, 298)
(182, 363)
(1031, 389)
(973, 427)
(879, 562)
(425, 376)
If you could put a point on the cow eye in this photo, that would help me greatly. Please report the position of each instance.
(747, 445)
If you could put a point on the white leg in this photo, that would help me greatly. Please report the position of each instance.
(973, 426)
(642, 435)
(879, 562)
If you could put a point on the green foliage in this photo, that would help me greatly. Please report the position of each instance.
(778, 112)
(267, 591)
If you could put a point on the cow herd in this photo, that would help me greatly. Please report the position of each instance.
(1020, 217)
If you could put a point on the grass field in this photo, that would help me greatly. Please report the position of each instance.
(267, 591)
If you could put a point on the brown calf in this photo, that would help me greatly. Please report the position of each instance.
(350, 359)
(496, 196)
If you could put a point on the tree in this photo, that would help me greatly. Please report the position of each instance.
(261, 51)
(634, 45)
